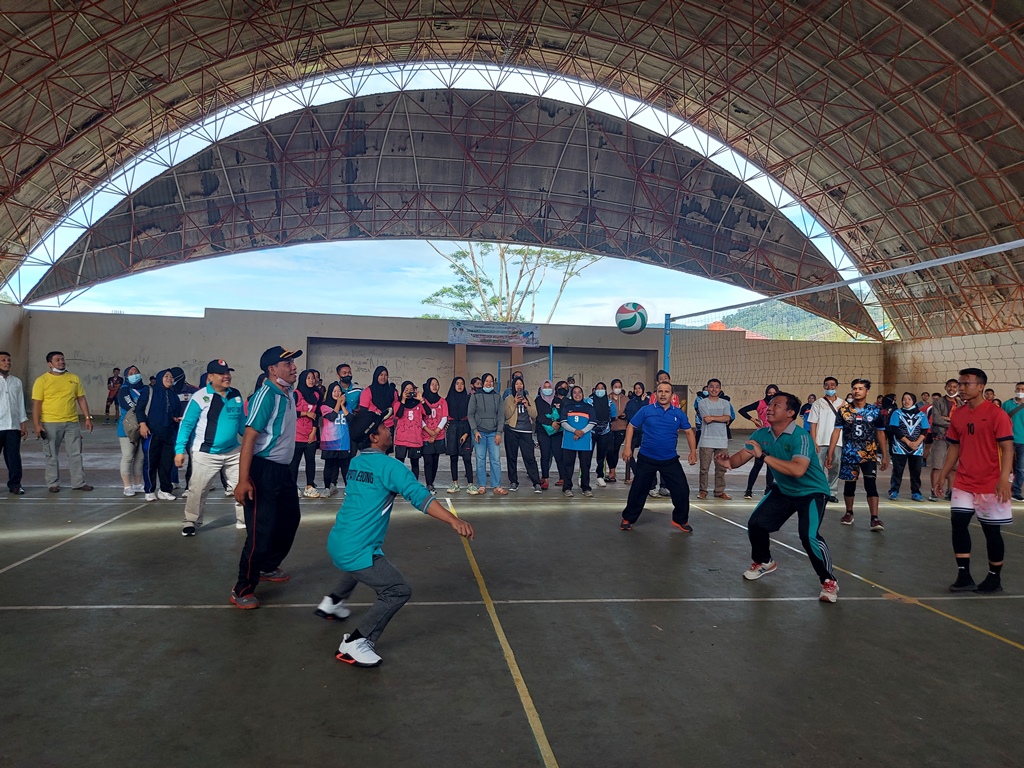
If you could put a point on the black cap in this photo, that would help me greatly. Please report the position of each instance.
(276, 355)
(364, 423)
(218, 366)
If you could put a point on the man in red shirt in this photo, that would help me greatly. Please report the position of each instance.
(980, 435)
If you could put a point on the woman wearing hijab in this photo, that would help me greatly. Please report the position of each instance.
(908, 426)
(805, 409)
(380, 396)
(458, 437)
(307, 408)
(637, 400)
(577, 418)
(132, 458)
(604, 412)
(520, 416)
(760, 419)
(549, 429)
(335, 441)
(410, 418)
(435, 424)
(158, 411)
(620, 399)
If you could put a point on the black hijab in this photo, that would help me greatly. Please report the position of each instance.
(381, 395)
(330, 399)
(310, 394)
(458, 402)
(179, 379)
(431, 397)
(405, 404)
(602, 409)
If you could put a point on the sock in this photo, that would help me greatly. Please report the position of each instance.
(356, 634)
(334, 598)
(963, 565)
(993, 570)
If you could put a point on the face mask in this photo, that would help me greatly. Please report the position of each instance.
(617, 390)
(134, 378)
(284, 384)
(704, 393)
(548, 392)
(56, 370)
(562, 391)
(1019, 395)
(488, 389)
(830, 392)
(849, 400)
(600, 392)
(346, 379)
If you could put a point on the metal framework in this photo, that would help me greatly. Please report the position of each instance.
(900, 125)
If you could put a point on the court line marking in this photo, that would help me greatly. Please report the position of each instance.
(533, 717)
(946, 517)
(898, 595)
(477, 603)
(69, 539)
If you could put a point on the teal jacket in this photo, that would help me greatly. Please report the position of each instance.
(212, 423)
(373, 480)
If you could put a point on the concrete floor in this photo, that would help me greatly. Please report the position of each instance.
(119, 647)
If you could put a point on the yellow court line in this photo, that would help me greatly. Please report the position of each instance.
(546, 753)
(943, 517)
(901, 597)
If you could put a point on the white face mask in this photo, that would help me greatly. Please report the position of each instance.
(1019, 395)
(849, 400)
(284, 384)
(58, 370)
(616, 390)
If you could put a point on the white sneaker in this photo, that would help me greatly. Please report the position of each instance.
(229, 491)
(829, 591)
(150, 497)
(310, 493)
(326, 493)
(163, 496)
(601, 483)
(358, 652)
(328, 609)
(240, 525)
(140, 488)
(129, 491)
(185, 494)
(757, 570)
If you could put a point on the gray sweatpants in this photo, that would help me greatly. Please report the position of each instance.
(392, 593)
(69, 433)
(833, 474)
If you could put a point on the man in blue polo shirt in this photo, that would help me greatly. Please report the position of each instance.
(660, 424)
(266, 488)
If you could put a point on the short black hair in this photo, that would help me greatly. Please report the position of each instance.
(1018, 384)
(830, 378)
(977, 373)
(717, 381)
(49, 355)
(659, 373)
(991, 390)
(792, 402)
(952, 381)
(6, 353)
(865, 382)
(936, 394)
(343, 365)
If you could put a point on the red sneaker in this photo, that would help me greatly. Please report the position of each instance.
(544, 484)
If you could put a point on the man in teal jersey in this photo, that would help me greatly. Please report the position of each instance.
(800, 487)
(354, 544)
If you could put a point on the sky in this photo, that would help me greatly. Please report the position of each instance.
(387, 278)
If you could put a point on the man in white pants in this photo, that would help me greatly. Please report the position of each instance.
(821, 422)
(213, 421)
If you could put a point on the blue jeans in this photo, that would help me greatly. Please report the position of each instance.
(486, 450)
(1018, 468)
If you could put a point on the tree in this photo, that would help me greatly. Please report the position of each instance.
(500, 282)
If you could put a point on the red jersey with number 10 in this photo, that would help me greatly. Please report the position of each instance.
(978, 431)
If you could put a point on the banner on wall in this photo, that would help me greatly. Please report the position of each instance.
(493, 334)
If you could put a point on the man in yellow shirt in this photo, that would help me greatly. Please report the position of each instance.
(55, 420)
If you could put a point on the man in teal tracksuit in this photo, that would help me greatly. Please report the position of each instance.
(354, 544)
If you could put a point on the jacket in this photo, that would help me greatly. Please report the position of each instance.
(512, 410)
(486, 412)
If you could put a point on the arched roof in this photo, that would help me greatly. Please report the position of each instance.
(902, 129)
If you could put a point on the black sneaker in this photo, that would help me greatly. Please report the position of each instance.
(876, 524)
(625, 525)
(684, 527)
(188, 530)
(963, 584)
(537, 488)
(513, 486)
(19, 491)
(748, 495)
(431, 489)
(990, 585)
(1017, 497)
(833, 500)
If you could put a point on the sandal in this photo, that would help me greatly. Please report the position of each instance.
(499, 491)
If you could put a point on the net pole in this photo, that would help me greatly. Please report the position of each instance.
(551, 362)
(668, 343)
(498, 385)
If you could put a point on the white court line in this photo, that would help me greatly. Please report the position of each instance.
(453, 603)
(70, 539)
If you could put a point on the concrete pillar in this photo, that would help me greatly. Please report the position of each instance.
(460, 362)
(517, 358)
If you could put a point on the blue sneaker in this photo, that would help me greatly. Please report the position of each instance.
(893, 495)
(916, 497)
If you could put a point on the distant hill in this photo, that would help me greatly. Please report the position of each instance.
(778, 320)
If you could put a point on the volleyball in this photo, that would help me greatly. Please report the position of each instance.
(631, 317)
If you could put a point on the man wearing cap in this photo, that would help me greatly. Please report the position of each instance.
(266, 488)
(213, 421)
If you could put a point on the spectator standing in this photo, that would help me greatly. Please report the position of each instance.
(158, 411)
(605, 413)
(13, 423)
(821, 422)
(114, 384)
(942, 411)
(1015, 410)
(549, 433)
(715, 414)
(520, 418)
(307, 433)
(577, 418)
(907, 427)
(435, 423)
(805, 410)
(458, 436)
(637, 400)
(134, 472)
(760, 410)
(620, 398)
(381, 396)
(55, 396)
(487, 420)
(411, 417)
(335, 438)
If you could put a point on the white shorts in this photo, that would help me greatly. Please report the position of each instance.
(984, 505)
